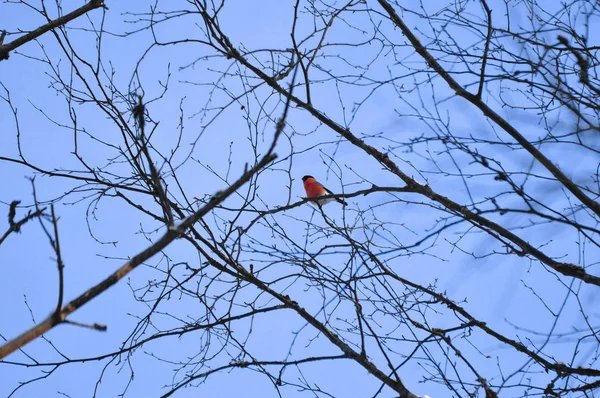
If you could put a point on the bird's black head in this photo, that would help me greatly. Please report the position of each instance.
(306, 178)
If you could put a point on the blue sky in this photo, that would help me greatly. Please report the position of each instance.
(496, 288)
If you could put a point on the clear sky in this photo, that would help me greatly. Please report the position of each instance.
(97, 236)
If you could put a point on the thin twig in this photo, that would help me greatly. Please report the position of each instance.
(59, 261)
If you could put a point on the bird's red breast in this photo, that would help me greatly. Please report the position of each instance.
(313, 188)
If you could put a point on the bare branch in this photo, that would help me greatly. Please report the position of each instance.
(5, 49)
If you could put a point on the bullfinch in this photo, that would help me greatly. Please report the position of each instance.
(314, 189)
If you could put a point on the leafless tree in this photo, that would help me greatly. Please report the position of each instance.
(464, 135)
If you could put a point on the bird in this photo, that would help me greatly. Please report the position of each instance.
(315, 189)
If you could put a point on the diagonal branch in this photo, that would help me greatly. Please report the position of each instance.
(58, 317)
(15, 226)
(396, 385)
(5, 49)
(483, 223)
(488, 112)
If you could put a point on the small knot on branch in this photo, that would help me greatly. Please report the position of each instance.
(12, 212)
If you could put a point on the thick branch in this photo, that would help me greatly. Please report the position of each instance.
(171, 234)
(34, 34)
